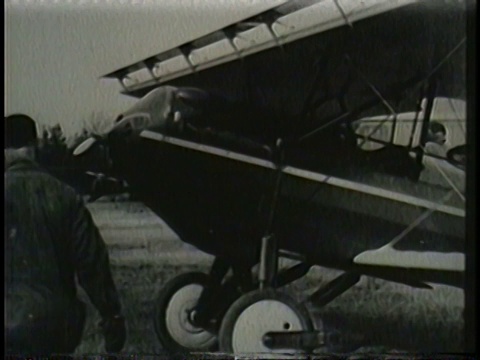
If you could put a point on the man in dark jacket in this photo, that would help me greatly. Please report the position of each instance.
(50, 242)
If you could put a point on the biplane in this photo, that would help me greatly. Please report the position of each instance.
(300, 132)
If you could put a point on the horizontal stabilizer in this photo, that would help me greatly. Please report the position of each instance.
(425, 260)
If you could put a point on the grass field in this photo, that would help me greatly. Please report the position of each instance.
(374, 316)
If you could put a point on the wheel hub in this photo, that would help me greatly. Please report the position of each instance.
(259, 319)
(180, 319)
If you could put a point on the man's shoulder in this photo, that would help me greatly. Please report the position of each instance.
(61, 185)
(45, 178)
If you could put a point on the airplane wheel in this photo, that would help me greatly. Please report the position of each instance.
(173, 315)
(257, 313)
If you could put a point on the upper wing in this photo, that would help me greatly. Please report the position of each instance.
(282, 24)
(322, 57)
(177, 59)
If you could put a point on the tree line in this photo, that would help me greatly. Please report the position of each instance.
(55, 154)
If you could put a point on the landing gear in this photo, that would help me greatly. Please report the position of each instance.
(268, 321)
(191, 306)
(175, 315)
(262, 320)
(196, 312)
(249, 321)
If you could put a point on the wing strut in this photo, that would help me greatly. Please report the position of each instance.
(430, 92)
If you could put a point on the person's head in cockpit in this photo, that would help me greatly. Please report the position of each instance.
(437, 133)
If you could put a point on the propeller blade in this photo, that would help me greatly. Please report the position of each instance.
(177, 116)
(84, 146)
(457, 156)
(192, 95)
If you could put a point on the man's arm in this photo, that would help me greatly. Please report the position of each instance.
(93, 271)
(92, 263)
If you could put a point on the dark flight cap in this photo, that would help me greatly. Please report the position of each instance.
(20, 131)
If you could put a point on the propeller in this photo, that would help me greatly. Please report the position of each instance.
(101, 176)
(177, 117)
(457, 156)
(188, 95)
(192, 95)
(85, 146)
(120, 122)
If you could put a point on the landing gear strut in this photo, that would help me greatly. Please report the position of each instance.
(191, 306)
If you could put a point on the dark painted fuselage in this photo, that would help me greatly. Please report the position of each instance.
(222, 207)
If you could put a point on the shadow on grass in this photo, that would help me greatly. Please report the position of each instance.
(397, 317)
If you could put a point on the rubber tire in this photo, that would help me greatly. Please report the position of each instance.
(162, 303)
(233, 313)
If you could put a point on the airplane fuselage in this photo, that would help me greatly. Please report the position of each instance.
(221, 203)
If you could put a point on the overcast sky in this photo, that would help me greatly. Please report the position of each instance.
(55, 50)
